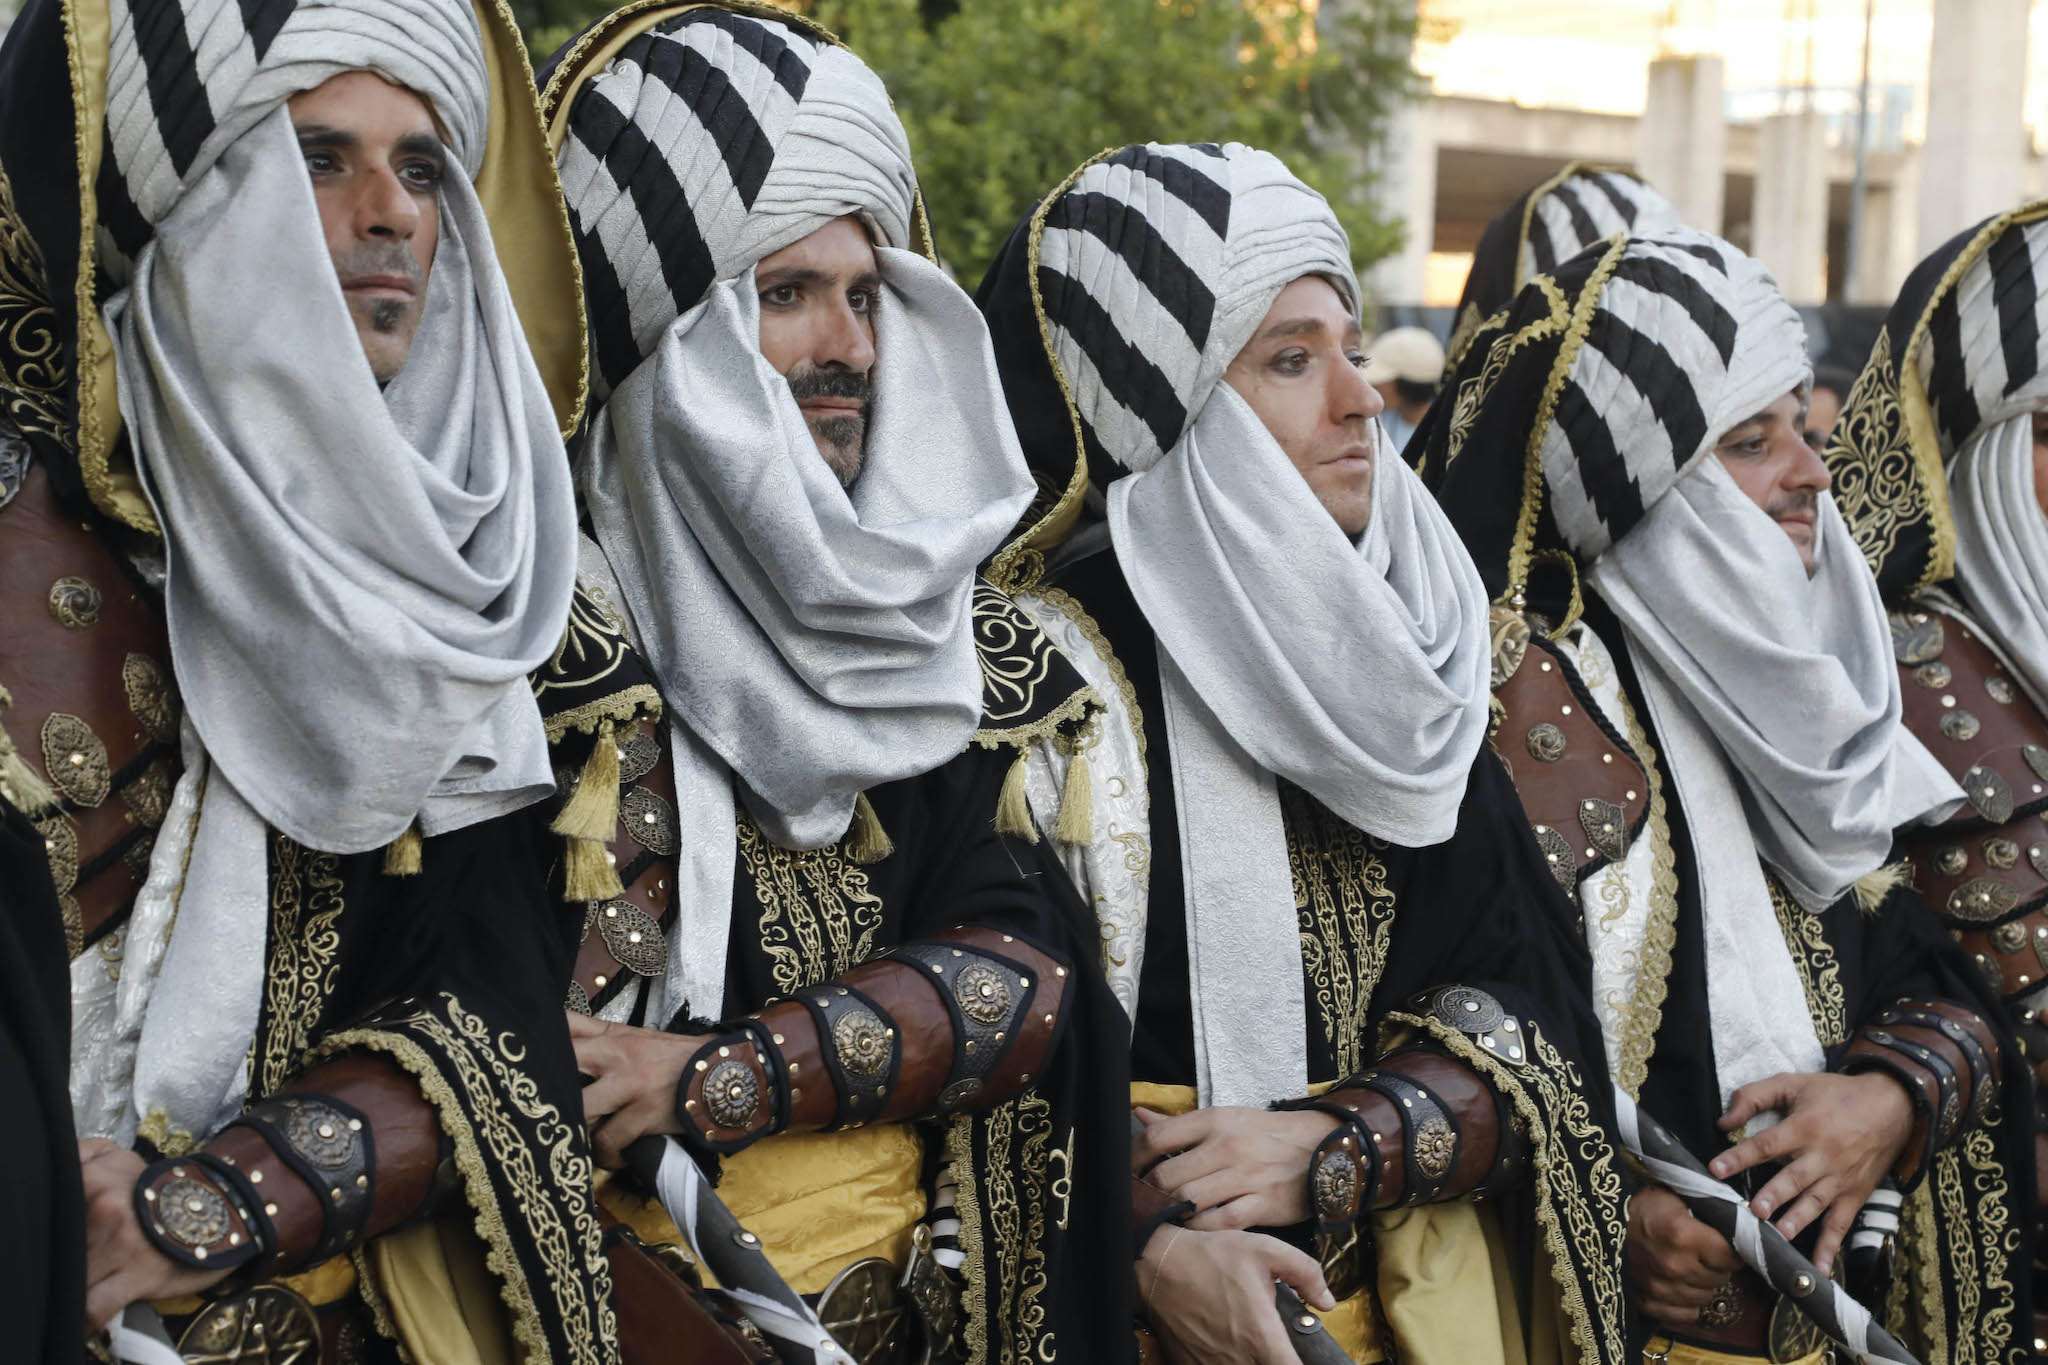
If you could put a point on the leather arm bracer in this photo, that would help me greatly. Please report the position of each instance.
(1419, 1127)
(1946, 1058)
(352, 1150)
(958, 1022)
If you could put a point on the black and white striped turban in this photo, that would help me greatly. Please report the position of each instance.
(1686, 338)
(709, 141)
(1584, 207)
(1156, 264)
(186, 78)
(1984, 352)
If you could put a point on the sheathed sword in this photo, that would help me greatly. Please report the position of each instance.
(1762, 1247)
(732, 1253)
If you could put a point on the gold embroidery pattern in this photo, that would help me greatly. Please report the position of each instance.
(1017, 1137)
(1014, 654)
(1660, 931)
(304, 954)
(1580, 1204)
(1473, 393)
(818, 917)
(32, 369)
(1065, 605)
(1346, 917)
(486, 1068)
(1820, 974)
(1879, 491)
(592, 649)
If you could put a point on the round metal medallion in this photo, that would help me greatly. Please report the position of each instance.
(1793, 1335)
(649, 820)
(1960, 725)
(1336, 1183)
(321, 1135)
(1510, 643)
(1935, 675)
(1435, 1145)
(75, 759)
(75, 603)
(1558, 856)
(983, 993)
(865, 1313)
(1468, 1010)
(638, 754)
(1990, 795)
(1545, 742)
(149, 696)
(1917, 636)
(1951, 1115)
(732, 1093)
(633, 937)
(579, 999)
(1723, 1308)
(1606, 827)
(2037, 759)
(959, 1093)
(863, 1044)
(2001, 853)
(1999, 690)
(192, 1212)
(1950, 861)
(268, 1323)
(2009, 938)
(1981, 900)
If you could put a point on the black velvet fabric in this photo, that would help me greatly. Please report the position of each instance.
(42, 1203)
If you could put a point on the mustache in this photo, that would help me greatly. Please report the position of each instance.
(1806, 501)
(377, 258)
(832, 383)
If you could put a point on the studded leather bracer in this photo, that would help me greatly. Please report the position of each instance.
(1419, 1127)
(958, 1022)
(351, 1151)
(1946, 1059)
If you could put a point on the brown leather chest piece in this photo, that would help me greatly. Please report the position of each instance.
(626, 937)
(95, 711)
(1582, 787)
(1985, 869)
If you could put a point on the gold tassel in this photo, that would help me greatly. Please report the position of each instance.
(20, 786)
(1013, 812)
(867, 841)
(588, 874)
(402, 855)
(1076, 824)
(1873, 887)
(592, 810)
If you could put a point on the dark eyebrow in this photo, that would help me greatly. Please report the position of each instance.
(426, 145)
(867, 279)
(323, 135)
(1293, 327)
(792, 274)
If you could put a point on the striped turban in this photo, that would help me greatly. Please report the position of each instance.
(1687, 338)
(706, 143)
(1580, 205)
(1156, 264)
(187, 78)
(1984, 352)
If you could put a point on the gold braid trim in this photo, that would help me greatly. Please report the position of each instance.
(304, 957)
(1047, 727)
(569, 1169)
(1922, 1321)
(1560, 371)
(1660, 933)
(379, 1306)
(1547, 188)
(1019, 564)
(1820, 975)
(1064, 603)
(620, 707)
(1568, 1219)
(974, 1256)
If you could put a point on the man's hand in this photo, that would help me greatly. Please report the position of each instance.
(1242, 1168)
(121, 1267)
(633, 1074)
(1676, 1261)
(1210, 1295)
(1839, 1137)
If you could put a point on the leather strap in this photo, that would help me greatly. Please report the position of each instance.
(202, 1213)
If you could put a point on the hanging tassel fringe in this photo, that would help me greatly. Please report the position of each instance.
(588, 874)
(592, 810)
(1013, 811)
(20, 785)
(1872, 887)
(867, 841)
(402, 855)
(1076, 824)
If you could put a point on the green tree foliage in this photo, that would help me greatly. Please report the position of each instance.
(1004, 98)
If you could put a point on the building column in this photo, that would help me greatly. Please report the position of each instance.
(1972, 161)
(1681, 140)
(1407, 167)
(1789, 227)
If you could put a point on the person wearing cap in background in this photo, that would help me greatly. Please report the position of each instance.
(1404, 365)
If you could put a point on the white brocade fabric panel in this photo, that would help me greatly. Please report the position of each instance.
(1113, 870)
(1616, 899)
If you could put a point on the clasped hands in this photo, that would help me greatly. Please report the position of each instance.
(1838, 1138)
(1208, 1286)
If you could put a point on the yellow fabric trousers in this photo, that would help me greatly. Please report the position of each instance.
(1668, 1352)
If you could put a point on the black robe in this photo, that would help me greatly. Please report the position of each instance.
(1380, 925)
(1040, 1174)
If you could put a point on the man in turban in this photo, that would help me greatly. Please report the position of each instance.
(293, 529)
(1938, 464)
(1315, 894)
(1622, 450)
(826, 946)
(1582, 204)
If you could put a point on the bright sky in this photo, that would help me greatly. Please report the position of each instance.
(1591, 54)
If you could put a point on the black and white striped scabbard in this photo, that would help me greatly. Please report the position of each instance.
(1762, 1247)
(733, 1254)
